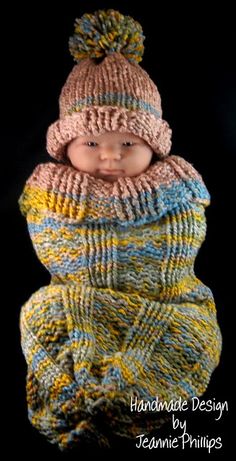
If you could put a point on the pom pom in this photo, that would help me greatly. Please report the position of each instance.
(105, 32)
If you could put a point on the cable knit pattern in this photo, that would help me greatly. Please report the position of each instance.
(124, 314)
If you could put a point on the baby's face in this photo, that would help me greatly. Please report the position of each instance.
(110, 155)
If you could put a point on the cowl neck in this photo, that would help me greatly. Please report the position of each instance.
(61, 189)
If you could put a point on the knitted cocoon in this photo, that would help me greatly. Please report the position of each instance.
(124, 314)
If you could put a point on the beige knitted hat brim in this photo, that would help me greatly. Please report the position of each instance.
(97, 120)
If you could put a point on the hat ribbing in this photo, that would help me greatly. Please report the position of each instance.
(113, 95)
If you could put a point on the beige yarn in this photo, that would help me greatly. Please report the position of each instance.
(113, 95)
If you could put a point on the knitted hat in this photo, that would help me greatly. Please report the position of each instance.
(107, 89)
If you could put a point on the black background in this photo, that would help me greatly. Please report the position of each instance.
(190, 54)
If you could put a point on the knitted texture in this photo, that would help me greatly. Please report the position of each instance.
(112, 94)
(105, 32)
(124, 314)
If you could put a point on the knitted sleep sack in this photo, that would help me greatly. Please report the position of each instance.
(124, 314)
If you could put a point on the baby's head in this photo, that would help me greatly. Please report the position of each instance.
(110, 155)
(110, 109)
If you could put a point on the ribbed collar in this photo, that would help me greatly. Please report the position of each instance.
(76, 195)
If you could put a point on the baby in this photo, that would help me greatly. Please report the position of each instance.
(118, 222)
(111, 155)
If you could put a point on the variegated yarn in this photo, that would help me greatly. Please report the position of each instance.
(124, 314)
(107, 32)
(108, 90)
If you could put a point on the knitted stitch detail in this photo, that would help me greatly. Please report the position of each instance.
(98, 120)
(124, 314)
(118, 99)
(115, 95)
(76, 195)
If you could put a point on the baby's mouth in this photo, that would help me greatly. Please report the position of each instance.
(111, 172)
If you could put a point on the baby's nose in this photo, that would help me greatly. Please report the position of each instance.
(110, 152)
